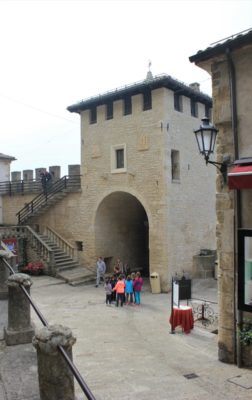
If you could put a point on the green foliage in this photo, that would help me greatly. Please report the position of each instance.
(246, 333)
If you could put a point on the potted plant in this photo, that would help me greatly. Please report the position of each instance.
(34, 268)
(246, 333)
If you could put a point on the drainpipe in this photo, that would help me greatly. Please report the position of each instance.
(238, 315)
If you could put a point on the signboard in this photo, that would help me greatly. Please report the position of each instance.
(11, 243)
(175, 293)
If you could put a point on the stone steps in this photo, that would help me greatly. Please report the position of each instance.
(77, 276)
(67, 268)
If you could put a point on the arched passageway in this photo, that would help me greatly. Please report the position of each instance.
(122, 231)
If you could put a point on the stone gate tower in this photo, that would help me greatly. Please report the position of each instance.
(144, 192)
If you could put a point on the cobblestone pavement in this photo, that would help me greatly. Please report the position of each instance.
(125, 353)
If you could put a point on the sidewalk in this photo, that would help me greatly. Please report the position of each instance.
(125, 353)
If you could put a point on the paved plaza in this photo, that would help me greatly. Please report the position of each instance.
(125, 353)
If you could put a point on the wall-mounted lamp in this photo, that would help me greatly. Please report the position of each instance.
(206, 137)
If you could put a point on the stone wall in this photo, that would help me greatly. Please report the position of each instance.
(225, 199)
(13, 204)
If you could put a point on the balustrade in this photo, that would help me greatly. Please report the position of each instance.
(55, 237)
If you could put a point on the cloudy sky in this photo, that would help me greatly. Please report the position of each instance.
(55, 53)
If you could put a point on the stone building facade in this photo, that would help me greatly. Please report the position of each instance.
(230, 65)
(145, 196)
(144, 190)
(5, 163)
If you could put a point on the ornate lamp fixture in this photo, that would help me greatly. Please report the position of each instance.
(206, 137)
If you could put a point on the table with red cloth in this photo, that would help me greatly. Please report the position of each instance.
(182, 316)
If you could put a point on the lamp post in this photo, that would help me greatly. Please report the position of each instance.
(206, 138)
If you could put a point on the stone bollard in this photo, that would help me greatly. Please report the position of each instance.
(20, 329)
(56, 380)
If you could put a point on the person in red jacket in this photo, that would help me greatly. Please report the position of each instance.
(119, 289)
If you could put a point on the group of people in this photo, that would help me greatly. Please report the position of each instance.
(124, 290)
(121, 287)
(101, 269)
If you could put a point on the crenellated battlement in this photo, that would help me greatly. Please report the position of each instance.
(31, 175)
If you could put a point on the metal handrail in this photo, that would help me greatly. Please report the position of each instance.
(68, 360)
(19, 187)
(53, 188)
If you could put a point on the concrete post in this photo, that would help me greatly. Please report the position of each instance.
(74, 169)
(16, 176)
(29, 184)
(28, 175)
(55, 377)
(16, 184)
(20, 329)
(55, 172)
(52, 266)
(4, 273)
(39, 171)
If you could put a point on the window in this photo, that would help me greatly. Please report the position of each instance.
(147, 101)
(194, 108)
(127, 105)
(118, 158)
(109, 109)
(175, 168)
(178, 104)
(79, 246)
(93, 115)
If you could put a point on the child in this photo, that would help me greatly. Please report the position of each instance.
(108, 291)
(133, 277)
(138, 283)
(119, 289)
(113, 281)
(129, 290)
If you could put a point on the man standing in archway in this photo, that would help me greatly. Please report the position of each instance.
(100, 270)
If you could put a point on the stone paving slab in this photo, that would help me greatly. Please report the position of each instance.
(242, 380)
(126, 353)
(18, 372)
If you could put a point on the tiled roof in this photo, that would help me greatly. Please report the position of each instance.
(233, 42)
(156, 82)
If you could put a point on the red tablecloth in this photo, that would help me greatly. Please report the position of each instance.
(182, 316)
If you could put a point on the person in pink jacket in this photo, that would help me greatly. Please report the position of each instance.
(137, 284)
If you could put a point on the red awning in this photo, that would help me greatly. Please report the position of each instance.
(240, 177)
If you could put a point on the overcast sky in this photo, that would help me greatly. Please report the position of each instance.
(55, 53)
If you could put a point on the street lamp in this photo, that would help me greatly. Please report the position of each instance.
(206, 137)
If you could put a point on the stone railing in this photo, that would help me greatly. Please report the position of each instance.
(42, 249)
(35, 241)
(12, 231)
(55, 237)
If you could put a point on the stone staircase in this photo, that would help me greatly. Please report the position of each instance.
(44, 200)
(67, 268)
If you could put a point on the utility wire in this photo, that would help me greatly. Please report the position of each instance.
(37, 109)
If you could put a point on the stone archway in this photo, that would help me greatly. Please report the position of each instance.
(122, 230)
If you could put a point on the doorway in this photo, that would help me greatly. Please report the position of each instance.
(122, 231)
